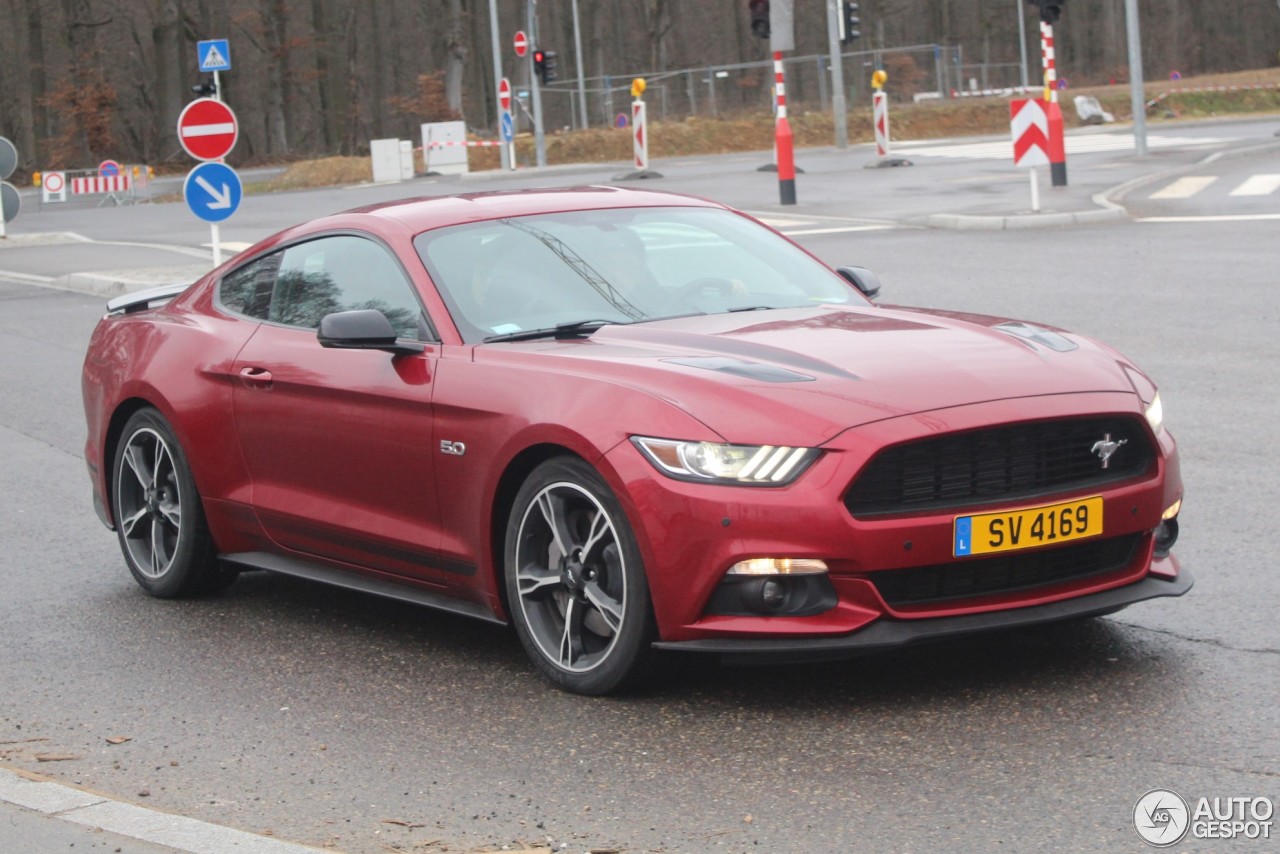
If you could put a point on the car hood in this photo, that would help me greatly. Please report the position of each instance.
(802, 376)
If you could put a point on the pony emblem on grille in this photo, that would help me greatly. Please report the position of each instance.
(1106, 449)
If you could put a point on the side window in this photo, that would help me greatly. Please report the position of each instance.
(248, 290)
(342, 273)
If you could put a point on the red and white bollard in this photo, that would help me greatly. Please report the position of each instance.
(1057, 135)
(783, 140)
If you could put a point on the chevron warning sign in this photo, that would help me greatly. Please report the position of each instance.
(1030, 127)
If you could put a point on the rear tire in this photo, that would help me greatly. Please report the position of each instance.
(158, 513)
(575, 580)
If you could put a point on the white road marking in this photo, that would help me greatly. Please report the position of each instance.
(1223, 218)
(95, 811)
(1087, 144)
(834, 229)
(1258, 185)
(1184, 188)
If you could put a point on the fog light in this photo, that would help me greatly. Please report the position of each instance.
(772, 594)
(1166, 536)
(779, 566)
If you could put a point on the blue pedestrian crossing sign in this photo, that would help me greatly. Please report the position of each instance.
(214, 55)
(212, 191)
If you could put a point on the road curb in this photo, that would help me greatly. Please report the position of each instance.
(93, 811)
(975, 222)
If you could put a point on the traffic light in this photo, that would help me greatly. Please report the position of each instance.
(1050, 10)
(849, 23)
(544, 65)
(206, 88)
(759, 18)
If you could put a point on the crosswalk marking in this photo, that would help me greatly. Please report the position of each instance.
(1185, 188)
(1258, 185)
(1190, 185)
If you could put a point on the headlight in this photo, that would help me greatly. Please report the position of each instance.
(1155, 414)
(759, 465)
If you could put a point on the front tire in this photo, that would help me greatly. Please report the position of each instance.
(575, 580)
(159, 518)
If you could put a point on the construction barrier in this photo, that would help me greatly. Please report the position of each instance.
(131, 185)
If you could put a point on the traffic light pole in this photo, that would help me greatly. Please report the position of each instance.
(839, 110)
(540, 141)
(497, 78)
(1137, 95)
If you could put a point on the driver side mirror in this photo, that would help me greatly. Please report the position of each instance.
(363, 329)
(862, 279)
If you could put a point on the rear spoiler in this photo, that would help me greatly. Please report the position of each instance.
(143, 300)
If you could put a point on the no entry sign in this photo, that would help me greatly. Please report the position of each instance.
(521, 43)
(207, 129)
(504, 94)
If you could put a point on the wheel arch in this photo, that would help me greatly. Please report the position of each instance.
(115, 429)
(504, 496)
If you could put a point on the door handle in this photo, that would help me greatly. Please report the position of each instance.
(255, 377)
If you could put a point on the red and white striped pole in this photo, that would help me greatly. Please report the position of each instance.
(1057, 140)
(782, 136)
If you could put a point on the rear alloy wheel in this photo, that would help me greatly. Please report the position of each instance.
(575, 580)
(159, 520)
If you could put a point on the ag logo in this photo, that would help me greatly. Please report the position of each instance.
(1161, 818)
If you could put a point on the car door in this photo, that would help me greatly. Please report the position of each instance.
(337, 441)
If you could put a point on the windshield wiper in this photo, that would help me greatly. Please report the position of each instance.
(576, 329)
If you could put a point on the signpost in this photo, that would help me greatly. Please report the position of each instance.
(508, 125)
(53, 187)
(213, 192)
(207, 129)
(214, 55)
(10, 201)
(1029, 124)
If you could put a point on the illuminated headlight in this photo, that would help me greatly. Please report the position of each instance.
(758, 465)
(1155, 414)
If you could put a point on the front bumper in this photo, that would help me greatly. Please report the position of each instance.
(888, 633)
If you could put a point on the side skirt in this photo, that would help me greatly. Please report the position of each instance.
(351, 580)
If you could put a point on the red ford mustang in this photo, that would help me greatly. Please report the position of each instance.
(622, 421)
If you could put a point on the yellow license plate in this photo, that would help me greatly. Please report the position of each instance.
(1010, 530)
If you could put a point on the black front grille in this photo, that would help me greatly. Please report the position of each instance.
(1004, 463)
(969, 579)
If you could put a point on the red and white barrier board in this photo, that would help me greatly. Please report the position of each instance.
(100, 184)
(880, 114)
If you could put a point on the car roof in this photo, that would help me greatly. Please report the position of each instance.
(422, 214)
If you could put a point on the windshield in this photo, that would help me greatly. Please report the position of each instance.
(506, 276)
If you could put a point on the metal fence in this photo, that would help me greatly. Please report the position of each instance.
(718, 90)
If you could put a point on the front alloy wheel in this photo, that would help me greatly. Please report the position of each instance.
(575, 580)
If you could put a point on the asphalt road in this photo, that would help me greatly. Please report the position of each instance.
(339, 720)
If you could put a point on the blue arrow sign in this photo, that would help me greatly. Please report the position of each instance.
(214, 55)
(508, 126)
(212, 191)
